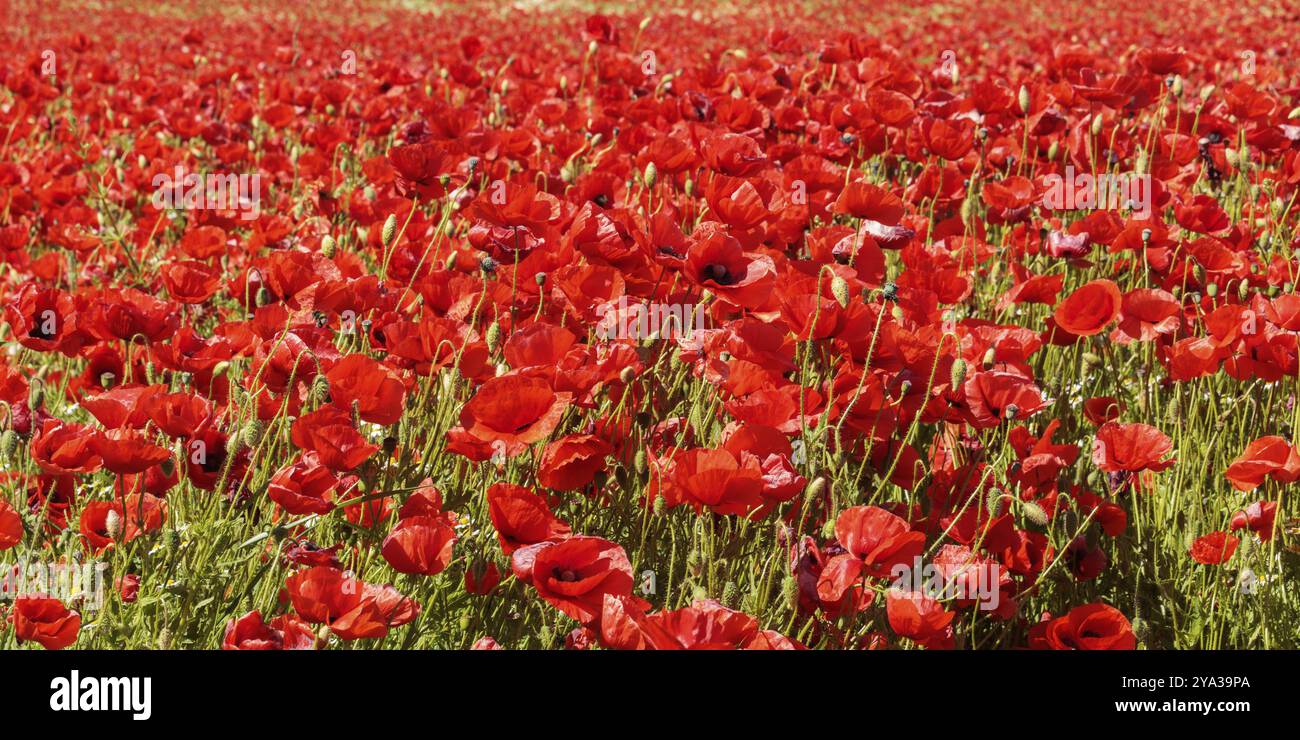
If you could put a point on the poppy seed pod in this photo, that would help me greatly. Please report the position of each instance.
(389, 232)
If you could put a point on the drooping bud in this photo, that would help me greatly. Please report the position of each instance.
(840, 289)
(957, 375)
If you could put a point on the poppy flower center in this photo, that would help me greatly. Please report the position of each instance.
(718, 274)
(566, 575)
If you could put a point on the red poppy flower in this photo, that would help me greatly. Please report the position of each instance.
(352, 609)
(328, 432)
(514, 410)
(875, 541)
(1088, 627)
(44, 620)
(571, 463)
(1214, 548)
(1089, 309)
(191, 282)
(704, 625)
(575, 574)
(521, 517)
(1130, 448)
(373, 388)
(919, 618)
(306, 486)
(423, 539)
(285, 632)
(1267, 457)
(60, 447)
(126, 451)
(717, 262)
(11, 526)
(1102, 409)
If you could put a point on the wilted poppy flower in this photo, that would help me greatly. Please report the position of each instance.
(1087, 627)
(1089, 309)
(1258, 518)
(44, 620)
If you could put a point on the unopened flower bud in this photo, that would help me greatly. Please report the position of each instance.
(389, 231)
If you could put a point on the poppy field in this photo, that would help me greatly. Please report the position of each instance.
(650, 325)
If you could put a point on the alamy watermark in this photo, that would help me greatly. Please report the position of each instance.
(78, 584)
(625, 320)
(1086, 191)
(192, 191)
